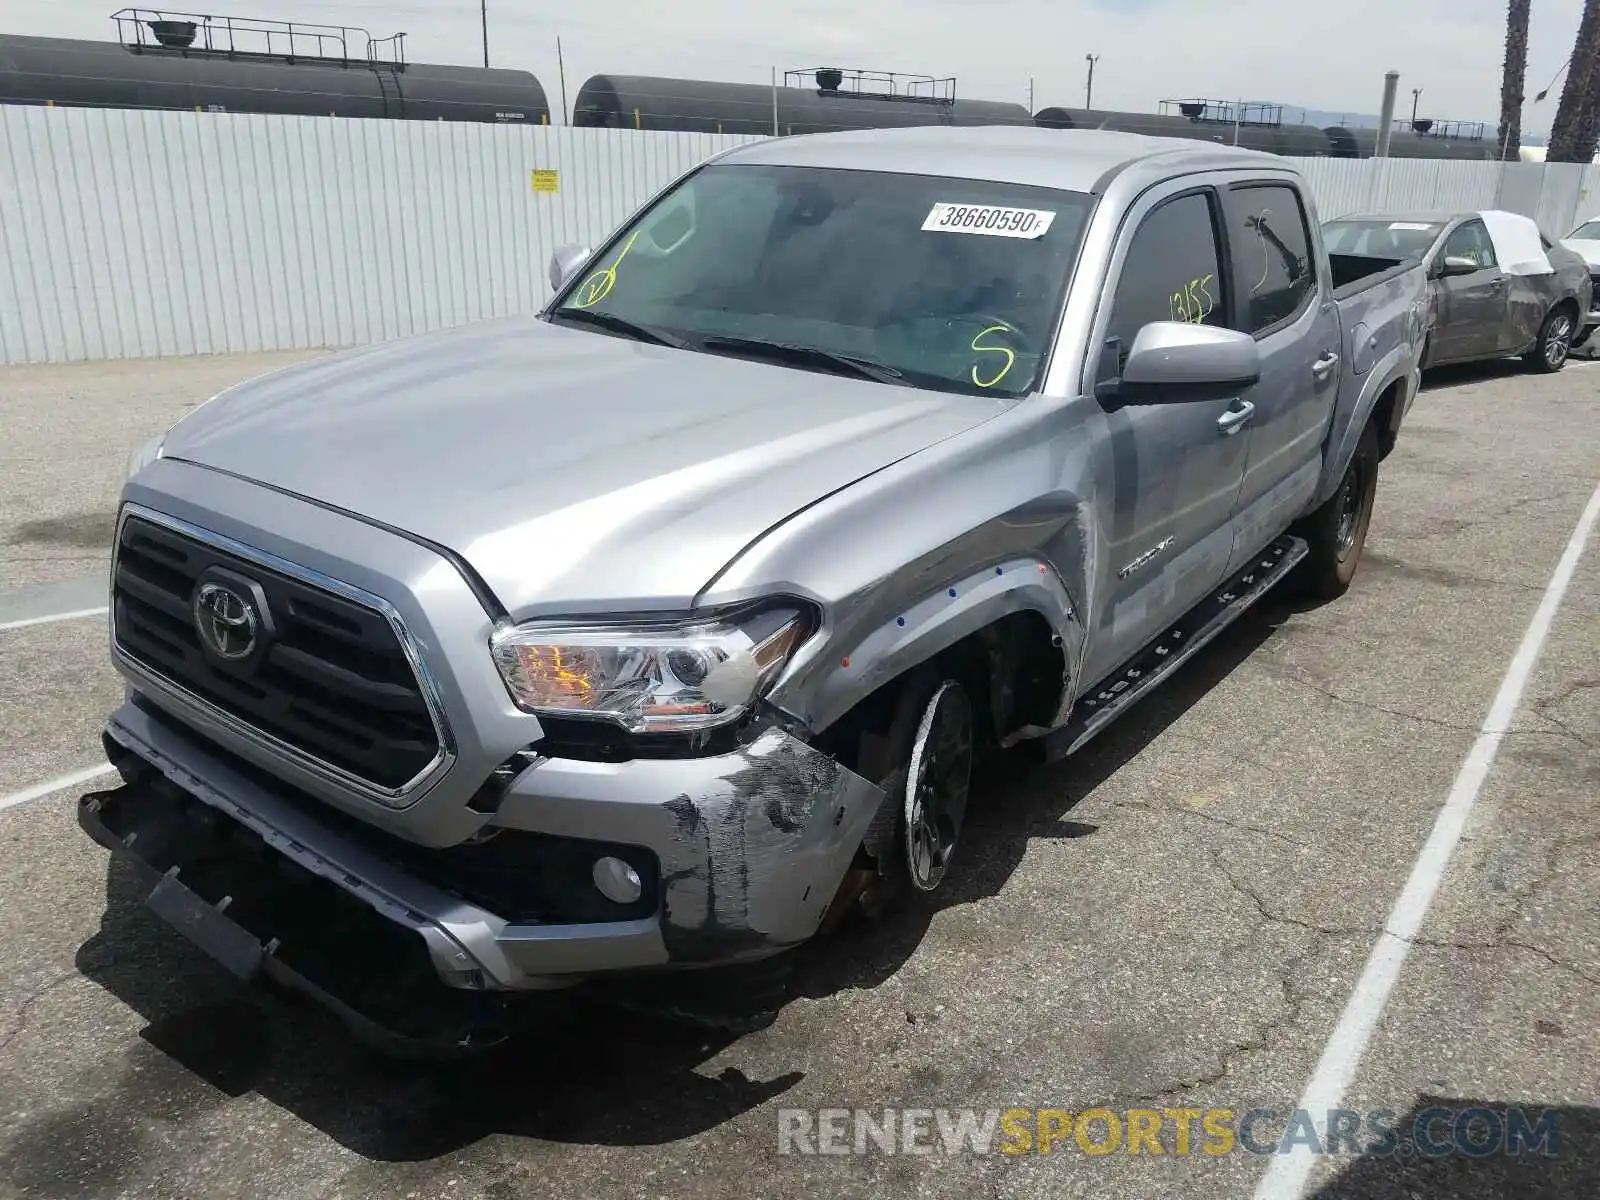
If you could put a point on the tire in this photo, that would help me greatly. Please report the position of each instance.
(1554, 347)
(1337, 531)
(923, 762)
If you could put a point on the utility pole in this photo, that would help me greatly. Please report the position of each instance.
(1088, 91)
(774, 101)
(561, 70)
(1416, 94)
(1030, 93)
(483, 12)
(1391, 82)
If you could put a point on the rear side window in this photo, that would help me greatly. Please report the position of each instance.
(1271, 255)
(1171, 273)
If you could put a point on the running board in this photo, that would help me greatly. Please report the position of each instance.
(1120, 692)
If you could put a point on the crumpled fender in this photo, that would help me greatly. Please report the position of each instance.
(935, 619)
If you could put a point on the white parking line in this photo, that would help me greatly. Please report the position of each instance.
(59, 783)
(1286, 1178)
(75, 615)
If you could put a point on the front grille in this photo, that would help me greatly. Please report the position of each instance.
(331, 680)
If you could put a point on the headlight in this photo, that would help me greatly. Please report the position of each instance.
(649, 678)
(145, 455)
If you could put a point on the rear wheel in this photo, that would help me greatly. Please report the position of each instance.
(1337, 532)
(1551, 351)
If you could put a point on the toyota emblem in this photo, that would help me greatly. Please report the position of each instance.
(226, 620)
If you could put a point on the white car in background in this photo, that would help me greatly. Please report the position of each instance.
(1585, 240)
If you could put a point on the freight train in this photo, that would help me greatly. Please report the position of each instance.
(230, 64)
(166, 60)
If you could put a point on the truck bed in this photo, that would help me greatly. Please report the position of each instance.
(1354, 273)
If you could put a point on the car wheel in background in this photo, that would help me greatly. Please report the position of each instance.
(1551, 351)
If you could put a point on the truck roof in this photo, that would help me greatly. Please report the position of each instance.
(1078, 160)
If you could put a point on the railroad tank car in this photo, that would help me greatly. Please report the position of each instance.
(701, 106)
(81, 73)
(1406, 143)
(1303, 141)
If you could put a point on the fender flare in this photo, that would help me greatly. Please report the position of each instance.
(819, 691)
(1398, 366)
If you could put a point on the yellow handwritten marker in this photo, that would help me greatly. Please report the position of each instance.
(1260, 226)
(598, 286)
(1011, 357)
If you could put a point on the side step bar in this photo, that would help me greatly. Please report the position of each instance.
(1152, 665)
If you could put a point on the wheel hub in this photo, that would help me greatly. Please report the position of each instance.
(1349, 511)
(1558, 342)
(936, 786)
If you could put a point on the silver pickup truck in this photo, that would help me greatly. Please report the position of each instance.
(661, 629)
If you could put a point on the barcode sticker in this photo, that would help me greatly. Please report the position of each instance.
(989, 219)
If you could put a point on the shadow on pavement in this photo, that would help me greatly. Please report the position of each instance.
(585, 1073)
(1457, 374)
(1472, 1150)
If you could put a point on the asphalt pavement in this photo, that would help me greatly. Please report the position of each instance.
(1172, 921)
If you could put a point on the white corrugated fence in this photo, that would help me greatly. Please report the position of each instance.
(131, 234)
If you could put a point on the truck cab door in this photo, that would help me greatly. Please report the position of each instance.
(1474, 306)
(1171, 472)
(1290, 311)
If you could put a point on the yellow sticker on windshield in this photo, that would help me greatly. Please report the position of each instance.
(1010, 355)
(598, 286)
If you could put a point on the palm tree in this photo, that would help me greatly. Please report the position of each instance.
(1513, 78)
(1573, 133)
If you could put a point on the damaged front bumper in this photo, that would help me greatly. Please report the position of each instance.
(740, 855)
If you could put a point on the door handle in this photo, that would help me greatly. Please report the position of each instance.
(1233, 420)
(1327, 362)
(1498, 282)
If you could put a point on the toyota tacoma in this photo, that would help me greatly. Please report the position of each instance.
(653, 634)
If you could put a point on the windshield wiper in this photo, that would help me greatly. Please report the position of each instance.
(616, 324)
(846, 364)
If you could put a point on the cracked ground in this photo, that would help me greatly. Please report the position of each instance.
(1172, 919)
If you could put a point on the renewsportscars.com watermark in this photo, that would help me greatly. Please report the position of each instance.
(1436, 1132)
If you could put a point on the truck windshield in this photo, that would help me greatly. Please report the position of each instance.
(951, 284)
(1382, 239)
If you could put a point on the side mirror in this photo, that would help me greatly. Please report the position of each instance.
(565, 261)
(1459, 264)
(1173, 362)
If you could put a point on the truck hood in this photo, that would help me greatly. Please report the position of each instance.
(572, 470)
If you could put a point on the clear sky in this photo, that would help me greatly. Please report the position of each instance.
(1328, 55)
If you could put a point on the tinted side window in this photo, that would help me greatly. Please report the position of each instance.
(1272, 253)
(1171, 272)
(1471, 241)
